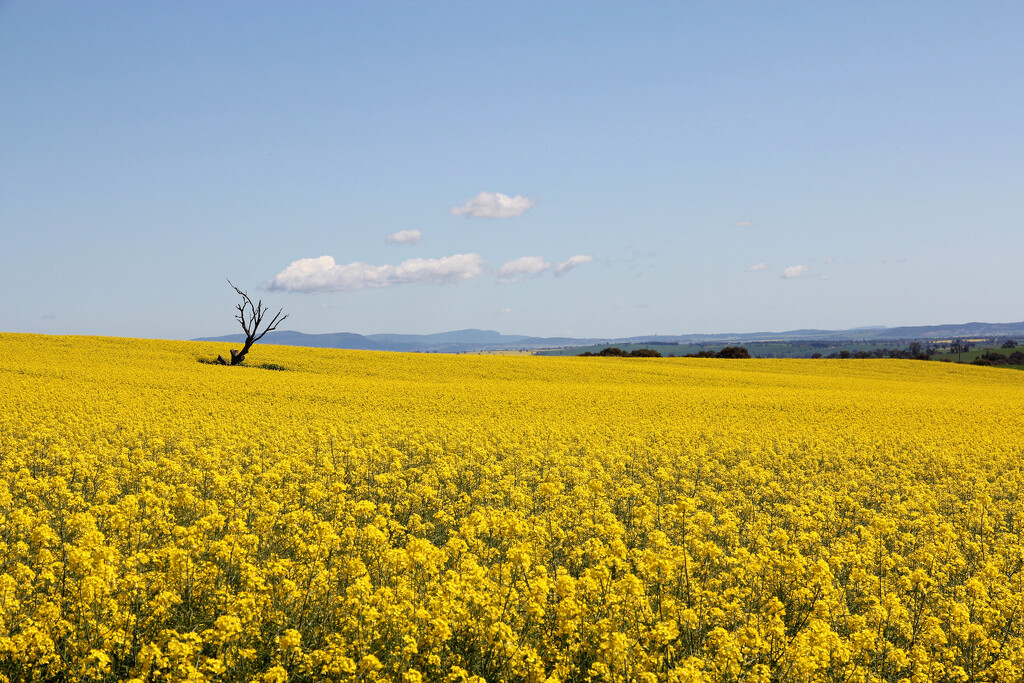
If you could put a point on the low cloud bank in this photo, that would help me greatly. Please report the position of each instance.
(324, 275)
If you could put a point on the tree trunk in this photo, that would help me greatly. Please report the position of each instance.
(236, 356)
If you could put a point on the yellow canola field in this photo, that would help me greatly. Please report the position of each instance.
(393, 517)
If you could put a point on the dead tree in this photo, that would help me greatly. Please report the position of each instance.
(250, 316)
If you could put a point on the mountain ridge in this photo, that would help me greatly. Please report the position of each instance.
(474, 340)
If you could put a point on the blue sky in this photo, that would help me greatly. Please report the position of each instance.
(546, 168)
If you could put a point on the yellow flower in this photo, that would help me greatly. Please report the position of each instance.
(394, 516)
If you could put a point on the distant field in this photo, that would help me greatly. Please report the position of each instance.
(429, 517)
(977, 352)
(757, 349)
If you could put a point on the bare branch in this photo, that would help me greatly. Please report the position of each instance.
(274, 322)
(250, 316)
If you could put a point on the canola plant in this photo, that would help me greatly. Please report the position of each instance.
(396, 517)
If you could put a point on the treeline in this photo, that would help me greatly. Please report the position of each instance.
(727, 352)
(616, 351)
(996, 358)
(915, 351)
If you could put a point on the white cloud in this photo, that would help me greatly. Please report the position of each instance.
(795, 271)
(494, 205)
(324, 275)
(404, 237)
(744, 224)
(505, 311)
(513, 271)
(759, 266)
(570, 263)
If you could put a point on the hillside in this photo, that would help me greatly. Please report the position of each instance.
(472, 340)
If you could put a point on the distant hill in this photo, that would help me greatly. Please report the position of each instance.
(459, 341)
(335, 340)
(473, 340)
(963, 331)
(923, 333)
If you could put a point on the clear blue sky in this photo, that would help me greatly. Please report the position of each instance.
(545, 168)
